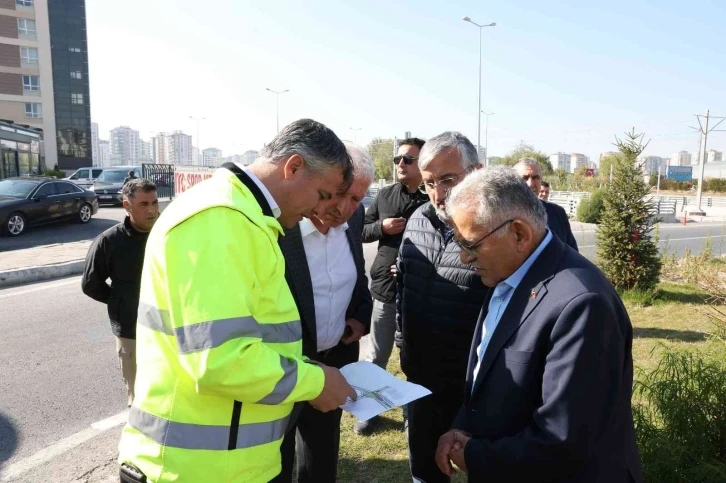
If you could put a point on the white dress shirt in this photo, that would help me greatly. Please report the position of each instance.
(276, 212)
(333, 274)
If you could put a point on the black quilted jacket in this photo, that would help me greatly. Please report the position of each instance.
(438, 302)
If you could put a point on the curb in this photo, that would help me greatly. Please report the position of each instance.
(20, 276)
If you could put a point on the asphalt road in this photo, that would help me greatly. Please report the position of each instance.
(58, 368)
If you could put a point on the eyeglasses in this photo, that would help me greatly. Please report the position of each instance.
(406, 159)
(469, 247)
(446, 184)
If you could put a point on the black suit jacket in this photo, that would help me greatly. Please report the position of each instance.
(297, 274)
(551, 401)
(559, 223)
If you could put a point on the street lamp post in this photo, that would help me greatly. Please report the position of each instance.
(355, 133)
(199, 143)
(486, 137)
(277, 109)
(478, 126)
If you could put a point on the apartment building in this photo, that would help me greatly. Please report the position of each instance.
(44, 76)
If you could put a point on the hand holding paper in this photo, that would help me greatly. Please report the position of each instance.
(378, 391)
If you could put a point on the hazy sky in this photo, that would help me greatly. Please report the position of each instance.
(563, 75)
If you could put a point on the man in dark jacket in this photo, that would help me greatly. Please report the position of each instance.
(557, 220)
(118, 254)
(550, 373)
(438, 302)
(384, 222)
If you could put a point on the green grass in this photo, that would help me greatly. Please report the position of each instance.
(672, 317)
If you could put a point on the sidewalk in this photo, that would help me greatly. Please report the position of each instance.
(42, 263)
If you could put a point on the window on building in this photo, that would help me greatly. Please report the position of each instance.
(76, 98)
(33, 110)
(74, 49)
(26, 26)
(76, 74)
(28, 55)
(31, 83)
(24, 3)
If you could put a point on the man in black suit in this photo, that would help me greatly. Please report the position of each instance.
(557, 220)
(325, 270)
(550, 372)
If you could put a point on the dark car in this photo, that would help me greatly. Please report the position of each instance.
(30, 201)
(109, 183)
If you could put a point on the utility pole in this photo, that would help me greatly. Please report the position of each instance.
(277, 105)
(355, 133)
(657, 189)
(199, 143)
(704, 129)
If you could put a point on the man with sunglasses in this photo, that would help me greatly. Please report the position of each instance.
(384, 222)
(438, 301)
(557, 220)
(550, 375)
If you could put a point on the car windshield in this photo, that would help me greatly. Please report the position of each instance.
(17, 188)
(113, 176)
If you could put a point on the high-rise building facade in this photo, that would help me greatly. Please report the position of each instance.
(124, 146)
(104, 156)
(212, 157)
(145, 156)
(578, 161)
(682, 158)
(44, 76)
(160, 148)
(713, 156)
(560, 161)
(180, 148)
(651, 164)
(250, 157)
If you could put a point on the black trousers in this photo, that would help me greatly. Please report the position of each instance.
(428, 419)
(314, 440)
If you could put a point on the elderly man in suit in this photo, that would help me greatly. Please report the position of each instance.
(550, 372)
(325, 270)
(557, 219)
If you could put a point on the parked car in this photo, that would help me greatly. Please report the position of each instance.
(85, 177)
(30, 201)
(109, 183)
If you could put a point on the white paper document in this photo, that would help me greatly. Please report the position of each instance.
(378, 391)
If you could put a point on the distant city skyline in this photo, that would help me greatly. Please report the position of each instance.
(544, 88)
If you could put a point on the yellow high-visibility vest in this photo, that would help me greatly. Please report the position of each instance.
(219, 343)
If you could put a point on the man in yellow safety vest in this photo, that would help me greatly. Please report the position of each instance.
(219, 351)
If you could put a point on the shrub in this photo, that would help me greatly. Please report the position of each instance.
(590, 209)
(680, 416)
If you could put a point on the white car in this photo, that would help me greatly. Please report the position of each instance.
(85, 177)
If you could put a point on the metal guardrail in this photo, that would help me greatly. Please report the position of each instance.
(163, 176)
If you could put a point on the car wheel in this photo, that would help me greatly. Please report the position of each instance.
(15, 224)
(85, 213)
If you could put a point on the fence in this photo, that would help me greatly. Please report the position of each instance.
(162, 175)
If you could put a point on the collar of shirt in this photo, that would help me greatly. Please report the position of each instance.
(276, 212)
(513, 281)
(307, 228)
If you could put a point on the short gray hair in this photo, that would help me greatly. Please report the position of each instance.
(497, 194)
(362, 163)
(529, 163)
(321, 149)
(449, 139)
(135, 185)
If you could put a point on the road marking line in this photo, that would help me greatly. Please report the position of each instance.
(58, 448)
(668, 240)
(44, 287)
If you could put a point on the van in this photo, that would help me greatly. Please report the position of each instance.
(85, 177)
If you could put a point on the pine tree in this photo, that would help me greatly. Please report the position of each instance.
(626, 251)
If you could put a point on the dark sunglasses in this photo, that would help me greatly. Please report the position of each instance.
(470, 247)
(406, 159)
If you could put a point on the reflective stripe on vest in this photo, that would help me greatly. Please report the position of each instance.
(214, 333)
(203, 436)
